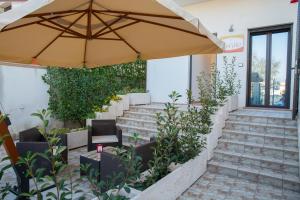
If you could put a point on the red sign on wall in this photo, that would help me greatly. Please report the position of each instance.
(294, 1)
(233, 43)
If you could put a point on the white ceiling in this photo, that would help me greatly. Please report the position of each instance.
(188, 2)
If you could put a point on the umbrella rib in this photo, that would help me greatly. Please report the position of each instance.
(50, 43)
(103, 29)
(76, 37)
(58, 29)
(88, 30)
(164, 25)
(32, 23)
(138, 13)
(89, 19)
(115, 32)
(63, 27)
(115, 29)
(54, 13)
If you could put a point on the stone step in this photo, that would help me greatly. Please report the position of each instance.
(245, 117)
(288, 182)
(140, 115)
(143, 132)
(260, 138)
(147, 109)
(260, 112)
(271, 151)
(155, 108)
(137, 122)
(258, 162)
(282, 130)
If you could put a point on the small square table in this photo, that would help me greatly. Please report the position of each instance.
(93, 159)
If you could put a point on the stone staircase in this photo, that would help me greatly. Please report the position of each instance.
(141, 120)
(258, 148)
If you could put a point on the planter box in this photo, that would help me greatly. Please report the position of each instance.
(212, 137)
(139, 98)
(229, 104)
(77, 139)
(174, 184)
(234, 102)
(101, 115)
(125, 101)
(226, 109)
(116, 108)
(106, 115)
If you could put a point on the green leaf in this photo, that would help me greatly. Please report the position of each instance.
(127, 189)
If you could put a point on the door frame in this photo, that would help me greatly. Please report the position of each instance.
(266, 30)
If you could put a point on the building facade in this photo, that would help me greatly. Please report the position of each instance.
(260, 34)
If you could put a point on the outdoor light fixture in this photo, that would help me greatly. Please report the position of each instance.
(231, 28)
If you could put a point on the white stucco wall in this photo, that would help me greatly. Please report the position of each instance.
(167, 75)
(218, 15)
(22, 92)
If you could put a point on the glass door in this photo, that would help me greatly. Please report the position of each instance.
(269, 68)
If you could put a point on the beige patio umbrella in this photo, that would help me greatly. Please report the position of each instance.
(76, 33)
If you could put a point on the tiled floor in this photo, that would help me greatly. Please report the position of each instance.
(214, 186)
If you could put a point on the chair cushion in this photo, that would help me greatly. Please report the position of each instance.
(104, 139)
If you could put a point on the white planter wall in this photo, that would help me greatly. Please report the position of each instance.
(77, 139)
(116, 108)
(174, 184)
(139, 98)
(125, 101)
(234, 102)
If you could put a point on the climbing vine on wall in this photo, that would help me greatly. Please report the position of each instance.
(74, 92)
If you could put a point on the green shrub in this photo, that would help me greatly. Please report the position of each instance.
(74, 92)
(180, 136)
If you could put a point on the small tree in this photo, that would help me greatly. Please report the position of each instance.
(230, 77)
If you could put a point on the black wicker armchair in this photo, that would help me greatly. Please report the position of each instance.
(30, 141)
(104, 132)
(111, 164)
(33, 138)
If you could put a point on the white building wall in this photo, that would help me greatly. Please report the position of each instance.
(167, 75)
(22, 92)
(218, 15)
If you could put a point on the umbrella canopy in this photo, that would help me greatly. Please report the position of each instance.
(76, 33)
